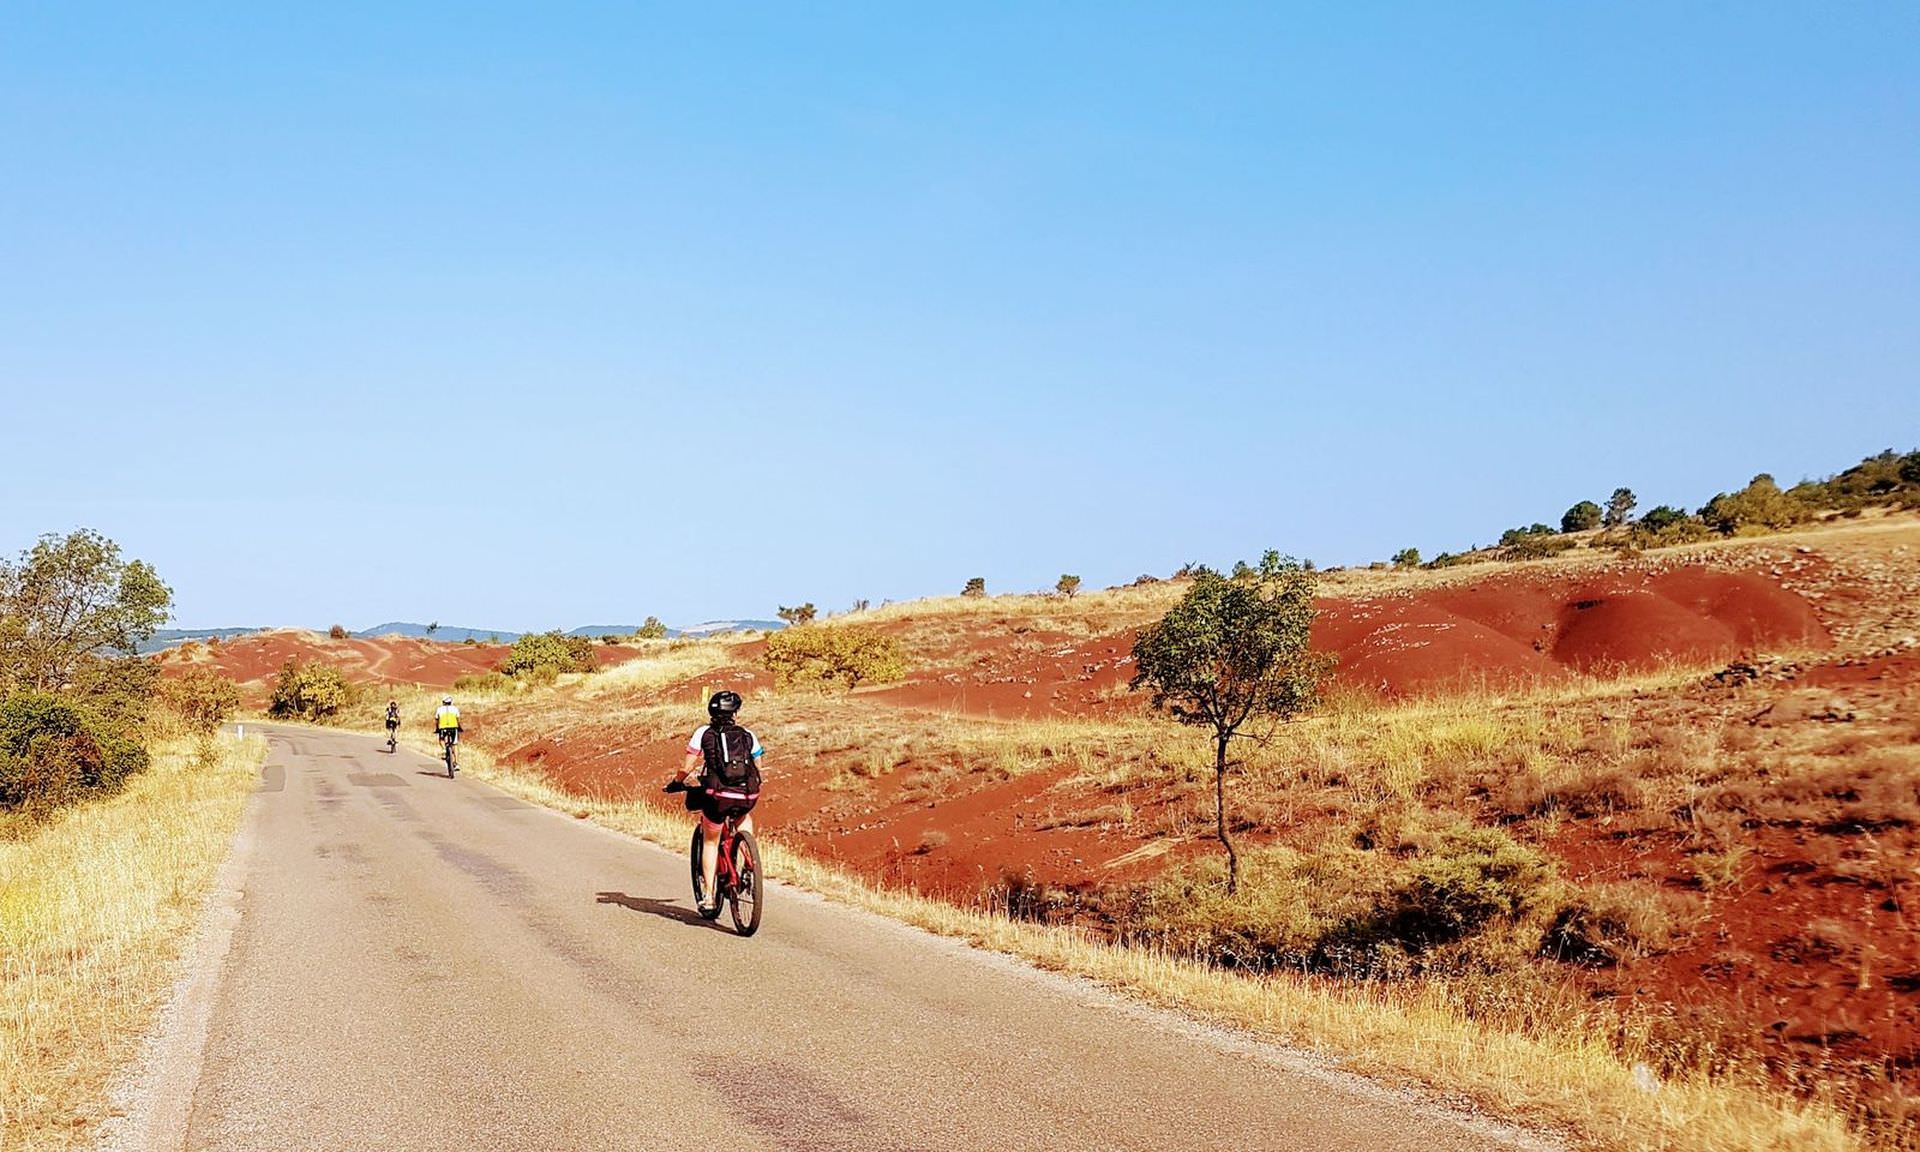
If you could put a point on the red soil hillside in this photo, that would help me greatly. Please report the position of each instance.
(1503, 631)
(255, 658)
(1524, 627)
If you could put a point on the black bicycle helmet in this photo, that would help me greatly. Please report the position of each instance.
(723, 705)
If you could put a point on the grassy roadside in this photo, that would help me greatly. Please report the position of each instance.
(94, 910)
(1579, 1085)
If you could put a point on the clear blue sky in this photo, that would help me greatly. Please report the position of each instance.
(555, 314)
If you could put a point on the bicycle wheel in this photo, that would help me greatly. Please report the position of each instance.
(745, 897)
(449, 747)
(699, 881)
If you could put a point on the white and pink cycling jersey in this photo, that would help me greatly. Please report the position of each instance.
(693, 744)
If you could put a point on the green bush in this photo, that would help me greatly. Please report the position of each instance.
(1407, 558)
(846, 656)
(309, 691)
(202, 698)
(484, 684)
(1450, 899)
(1761, 504)
(1528, 545)
(1460, 884)
(1068, 586)
(549, 651)
(976, 586)
(1582, 517)
(652, 630)
(800, 614)
(54, 751)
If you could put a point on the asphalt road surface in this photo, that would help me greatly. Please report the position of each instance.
(398, 960)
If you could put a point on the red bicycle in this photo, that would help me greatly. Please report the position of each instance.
(738, 876)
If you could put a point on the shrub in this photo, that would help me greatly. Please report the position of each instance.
(652, 629)
(337, 632)
(1534, 546)
(54, 751)
(309, 691)
(1582, 517)
(976, 586)
(1514, 536)
(484, 684)
(803, 614)
(1068, 586)
(1760, 504)
(1407, 558)
(202, 697)
(1664, 516)
(1610, 924)
(850, 656)
(551, 651)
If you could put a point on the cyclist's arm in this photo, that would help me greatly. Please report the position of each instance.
(690, 771)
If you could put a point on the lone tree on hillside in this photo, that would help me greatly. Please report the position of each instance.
(976, 586)
(337, 632)
(433, 627)
(1069, 586)
(1581, 517)
(1234, 650)
(652, 629)
(1407, 558)
(803, 614)
(1620, 507)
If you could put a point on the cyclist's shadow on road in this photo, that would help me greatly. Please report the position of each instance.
(666, 909)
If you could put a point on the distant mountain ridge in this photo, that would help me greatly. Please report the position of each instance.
(168, 637)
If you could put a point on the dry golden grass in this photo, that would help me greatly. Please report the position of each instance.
(1417, 1033)
(96, 906)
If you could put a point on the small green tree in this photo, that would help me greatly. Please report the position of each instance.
(202, 698)
(1407, 558)
(544, 655)
(803, 614)
(1661, 518)
(1620, 508)
(1582, 517)
(652, 629)
(69, 607)
(1068, 586)
(976, 587)
(1760, 504)
(1234, 650)
(309, 691)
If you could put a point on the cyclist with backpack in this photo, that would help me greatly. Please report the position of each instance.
(722, 778)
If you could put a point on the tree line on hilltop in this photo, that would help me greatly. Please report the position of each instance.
(1887, 480)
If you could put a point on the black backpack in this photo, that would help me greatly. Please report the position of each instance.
(728, 751)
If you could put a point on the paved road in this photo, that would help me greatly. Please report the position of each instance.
(419, 963)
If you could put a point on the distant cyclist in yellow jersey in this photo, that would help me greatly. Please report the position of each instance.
(446, 720)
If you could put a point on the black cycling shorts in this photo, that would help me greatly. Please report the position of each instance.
(715, 810)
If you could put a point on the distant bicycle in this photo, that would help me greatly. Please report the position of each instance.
(447, 742)
(737, 877)
(393, 744)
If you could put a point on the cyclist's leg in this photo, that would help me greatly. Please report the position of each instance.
(709, 857)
